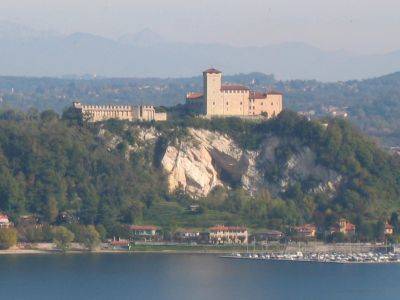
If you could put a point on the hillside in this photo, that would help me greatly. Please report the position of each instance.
(272, 174)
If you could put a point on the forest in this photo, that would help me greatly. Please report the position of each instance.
(58, 169)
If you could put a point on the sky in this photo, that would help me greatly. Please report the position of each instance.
(361, 26)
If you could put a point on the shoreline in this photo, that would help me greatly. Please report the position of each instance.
(106, 251)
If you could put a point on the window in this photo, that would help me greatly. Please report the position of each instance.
(240, 102)
(213, 103)
(262, 103)
(226, 103)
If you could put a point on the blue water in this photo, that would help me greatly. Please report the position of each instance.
(161, 276)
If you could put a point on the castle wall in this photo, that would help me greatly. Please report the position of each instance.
(235, 102)
(271, 105)
(96, 113)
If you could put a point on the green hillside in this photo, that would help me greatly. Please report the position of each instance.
(51, 165)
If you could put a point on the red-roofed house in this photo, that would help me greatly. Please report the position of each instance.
(388, 229)
(344, 227)
(306, 231)
(221, 234)
(236, 100)
(4, 221)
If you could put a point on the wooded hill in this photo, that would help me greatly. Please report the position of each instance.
(51, 164)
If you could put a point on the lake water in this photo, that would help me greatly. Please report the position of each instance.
(173, 276)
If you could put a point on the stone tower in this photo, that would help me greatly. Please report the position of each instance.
(212, 92)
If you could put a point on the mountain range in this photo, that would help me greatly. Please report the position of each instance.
(28, 52)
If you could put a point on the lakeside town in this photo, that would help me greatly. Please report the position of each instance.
(300, 243)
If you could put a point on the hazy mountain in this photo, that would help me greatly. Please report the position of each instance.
(146, 37)
(146, 54)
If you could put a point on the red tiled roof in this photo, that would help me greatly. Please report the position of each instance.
(120, 243)
(234, 87)
(143, 227)
(306, 227)
(350, 227)
(192, 96)
(388, 226)
(258, 95)
(227, 228)
(4, 218)
(274, 93)
(212, 71)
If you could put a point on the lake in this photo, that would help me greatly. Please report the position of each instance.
(187, 276)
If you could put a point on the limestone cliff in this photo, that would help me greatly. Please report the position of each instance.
(209, 159)
(202, 160)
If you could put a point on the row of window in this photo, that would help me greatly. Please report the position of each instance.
(262, 103)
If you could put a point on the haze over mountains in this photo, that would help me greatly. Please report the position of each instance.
(28, 52)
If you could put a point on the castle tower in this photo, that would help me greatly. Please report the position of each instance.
(212, 92)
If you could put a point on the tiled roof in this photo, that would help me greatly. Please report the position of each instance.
(274, 93)
(191, 96)
(4, 219)
(388, 226)
(212, 71)
(258, 95)
(234, 87)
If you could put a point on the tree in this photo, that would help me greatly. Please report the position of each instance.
(394, 221)
(90, 237)
(62, 237)
(8, 238)
(50, 209)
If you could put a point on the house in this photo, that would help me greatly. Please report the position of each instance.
(119, 244)
(388, 229)
(4, 221)
(187, 235)
(28, 220)
(306, 231)
(147, 233)
(343, 226)
(194, 208)
(221, 234)
(266, 235)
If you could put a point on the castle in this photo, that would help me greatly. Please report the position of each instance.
(232, 100)
(95, 113)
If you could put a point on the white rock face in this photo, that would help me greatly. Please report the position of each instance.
(195, 164)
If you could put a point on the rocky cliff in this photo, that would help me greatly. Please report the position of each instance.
(202, 160)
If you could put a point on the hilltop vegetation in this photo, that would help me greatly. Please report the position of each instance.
(51, 165)
(373, 104)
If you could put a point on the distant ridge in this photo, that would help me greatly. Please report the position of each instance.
(28, 52)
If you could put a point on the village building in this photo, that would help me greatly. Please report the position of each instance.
(266, 235)
(306, 231)
(228, 235)
(345, 227)
(96, 113)
(388, 229)
(4, 221)
(184, 235)
(219, 100)
(147, 233)
(28, 220)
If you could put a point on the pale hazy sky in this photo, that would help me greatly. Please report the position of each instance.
(364, 26)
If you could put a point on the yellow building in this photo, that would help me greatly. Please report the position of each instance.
(232, 99)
